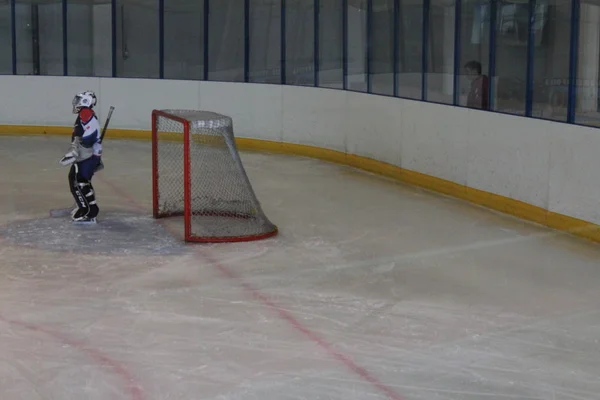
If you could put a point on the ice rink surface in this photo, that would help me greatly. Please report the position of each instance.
(372, 290)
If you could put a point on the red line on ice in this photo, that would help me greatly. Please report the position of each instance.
(133, 387)
(288, 317)
(283, 314)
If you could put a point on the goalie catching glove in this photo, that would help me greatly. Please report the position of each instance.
(78, 152)
(69, 158)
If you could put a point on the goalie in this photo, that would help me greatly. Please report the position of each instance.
(84, 157)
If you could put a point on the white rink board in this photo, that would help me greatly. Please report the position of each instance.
(509, 155)
(316, 117)
(435, 140)
(551, 165)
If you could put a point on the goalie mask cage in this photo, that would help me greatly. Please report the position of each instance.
(197, 172)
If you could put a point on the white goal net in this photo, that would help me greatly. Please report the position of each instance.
(198, 174)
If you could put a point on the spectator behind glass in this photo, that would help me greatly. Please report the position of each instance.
(478, 93)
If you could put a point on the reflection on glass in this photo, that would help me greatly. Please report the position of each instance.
(226, 41)
(184, 39)
(89, 38)
(49, 20)
(80, 38)
(39, 38)
(511, 57)
(382, 47)
(265, 41)
(331, 27)
(474, 82)
(300, 38)
(5, 40)
(440, 66)
(587, 110)
(551, 60)
(357, 45)
(410, 49)
(137, 48)
(28, 56)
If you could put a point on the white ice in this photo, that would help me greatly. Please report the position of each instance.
(372, 290)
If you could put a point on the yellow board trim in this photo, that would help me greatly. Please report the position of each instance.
(493, 201)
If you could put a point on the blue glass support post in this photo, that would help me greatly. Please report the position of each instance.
(395, 50)
(345, 44)
(113, 26)
(573, 55)
(492, 54)
(457, 51)
(316, 50)
(424, 51)
(283, 43)
(205, 44)
(369, 45)
(161, 39)
(13, 29)
(65, 38)
(246, 40)
(35, 38)
(530, 56)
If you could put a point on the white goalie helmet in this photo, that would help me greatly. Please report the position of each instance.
(84, 99)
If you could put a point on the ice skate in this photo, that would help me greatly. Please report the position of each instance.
(83, 216)
(84, 220)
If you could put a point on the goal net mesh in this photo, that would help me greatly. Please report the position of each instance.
(221, 202)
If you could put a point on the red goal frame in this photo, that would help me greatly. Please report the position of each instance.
(186, 172)
(187, 189)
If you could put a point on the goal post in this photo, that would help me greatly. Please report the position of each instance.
(197, 173)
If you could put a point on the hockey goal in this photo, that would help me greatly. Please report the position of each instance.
(197, 173)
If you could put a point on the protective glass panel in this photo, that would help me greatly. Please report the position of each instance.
(552, 27)
(587, 110)
(440, 65)
(410, 52)
(331, 44)
(5, 39)
(265, 41)
(89, 38)
(226, 41)
(184, 39)
(39, 36)
(474, 83)
(512, 32)
(137, 39)
(300, 39)
(357, 45)
(382, 47)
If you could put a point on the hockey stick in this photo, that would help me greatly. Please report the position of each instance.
(110, 111)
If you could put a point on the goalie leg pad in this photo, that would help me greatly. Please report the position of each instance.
(90, 196)
(74, 187)
(83, 192)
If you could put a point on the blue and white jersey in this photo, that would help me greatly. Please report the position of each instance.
(87, 129)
